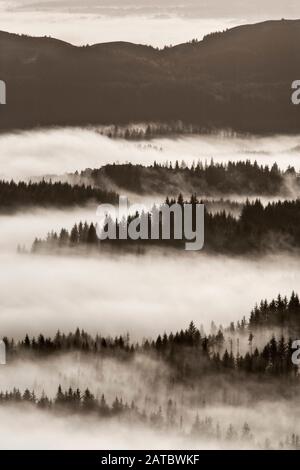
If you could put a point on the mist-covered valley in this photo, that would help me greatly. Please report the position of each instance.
(128, 342)
(72, 432)
(141, 402)
(216, 401)
(118, 293)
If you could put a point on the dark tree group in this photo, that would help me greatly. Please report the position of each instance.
(259, 229)
(192, 352)
(282, 312)
(150, 131)
(210, 178)
(47, 194)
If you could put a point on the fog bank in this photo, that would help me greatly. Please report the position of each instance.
(143, 295)
(55, 151)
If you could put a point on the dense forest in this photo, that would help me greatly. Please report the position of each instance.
(259, 229)
(204, 179)
(190, 354)
(14, 196)
(210, 178)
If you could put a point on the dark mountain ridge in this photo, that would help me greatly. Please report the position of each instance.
(239, 79)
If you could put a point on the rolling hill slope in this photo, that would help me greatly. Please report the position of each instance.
(240, 78)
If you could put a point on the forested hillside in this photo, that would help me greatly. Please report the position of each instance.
(239, 79)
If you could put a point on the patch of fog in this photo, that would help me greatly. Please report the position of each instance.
(282, 149)
(23, 227)
(147, 382)
(151, 379)
(56, 151)
(61, 432)
(269, 422)
(144, 295)
(48, 431)
(106, 376)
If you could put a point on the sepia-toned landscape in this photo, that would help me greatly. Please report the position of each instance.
(134, 344)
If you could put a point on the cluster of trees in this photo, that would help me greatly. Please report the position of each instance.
(275, 359)
(83, 234)
(214, 35)
(190, 352)
(258, 229)
(73, 341)
(192, 355)
(282, 312)
(210, 178)
(71, 401)
(153, 130)
(15, 195)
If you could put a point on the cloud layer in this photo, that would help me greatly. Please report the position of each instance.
(55, 151)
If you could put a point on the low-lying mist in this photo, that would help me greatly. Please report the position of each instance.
(146, 382)
(32, 429)
(24, 226)
(55, 151)
(143, 295)
(115, 294)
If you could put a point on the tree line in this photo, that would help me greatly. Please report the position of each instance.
(259, 229)
(209, 178)
(50, 194)
(282, 312)
(150, 131)
(190, 352)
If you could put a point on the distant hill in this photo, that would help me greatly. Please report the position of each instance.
(240, 78)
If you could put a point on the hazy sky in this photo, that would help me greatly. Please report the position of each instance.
(206, 8)
(151, 22)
